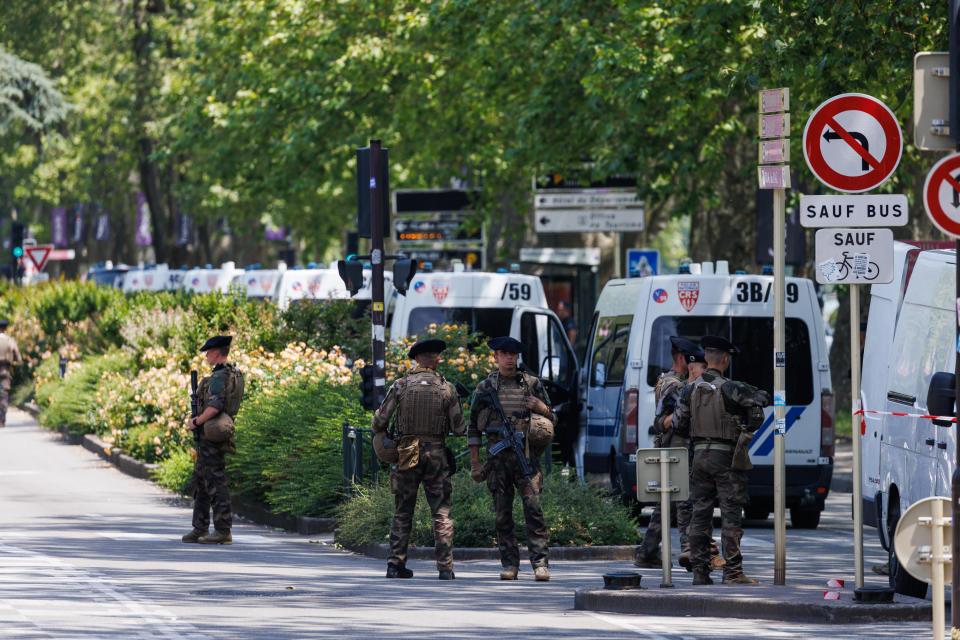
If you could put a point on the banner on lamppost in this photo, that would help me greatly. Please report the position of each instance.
(184, 229)
(58, 226)
(76, 225)
(144, 237)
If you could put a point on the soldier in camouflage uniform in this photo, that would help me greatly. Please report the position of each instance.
(9, 356)
(217, 394)
(710, 411)
(427, 408)
(520, 394)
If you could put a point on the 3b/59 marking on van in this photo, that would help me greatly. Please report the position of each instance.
(756, 292)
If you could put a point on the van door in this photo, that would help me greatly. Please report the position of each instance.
(548, 354)
(604, 380)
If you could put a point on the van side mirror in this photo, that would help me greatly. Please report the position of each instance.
(942, 396)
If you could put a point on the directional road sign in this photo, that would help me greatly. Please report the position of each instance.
(852, 142)
(854, 256)
(941, 195)
(887, 210)
(563, 220)
(39, 255)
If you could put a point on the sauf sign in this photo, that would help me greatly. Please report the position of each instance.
(855, 256)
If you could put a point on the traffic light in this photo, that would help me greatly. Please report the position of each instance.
(403, 272)
(351, 272)
(368, 394)
(16, 240)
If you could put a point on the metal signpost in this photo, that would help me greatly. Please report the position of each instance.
(665, 474)
(852, 143)
(774, 147)
(377, 315)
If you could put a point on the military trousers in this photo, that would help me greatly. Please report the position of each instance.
(504, 480)
(210, 487)
(654, 533)
(713, 479)
(433, 472)
(4, 398)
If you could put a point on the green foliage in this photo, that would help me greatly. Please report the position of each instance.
(289, 447)
(143, 442)
(331, 322)
(176, 471)
(71, 402)
(575, 515)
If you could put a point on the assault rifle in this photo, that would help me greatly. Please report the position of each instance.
(509, 436)
(194, 404)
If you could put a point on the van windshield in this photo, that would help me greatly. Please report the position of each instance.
(754, 363)
(490, 322)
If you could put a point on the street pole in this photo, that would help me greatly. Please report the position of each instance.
(377, 315)
(779, 388)
(855, 433)
(955, 479)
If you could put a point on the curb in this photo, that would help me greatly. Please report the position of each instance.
(123, 462)
(382, 551)
(793, 604)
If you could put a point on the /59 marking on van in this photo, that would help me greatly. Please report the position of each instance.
(756, 292)
(516, 291)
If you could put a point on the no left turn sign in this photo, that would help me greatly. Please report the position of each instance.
(852, 142)
(941, 195)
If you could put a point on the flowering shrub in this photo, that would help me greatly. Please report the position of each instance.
(467, 358)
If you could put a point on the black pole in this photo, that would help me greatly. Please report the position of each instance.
(954, 26)
(377, 315)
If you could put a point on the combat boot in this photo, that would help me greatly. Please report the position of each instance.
(219, 536)
(541, 574)
(738, 579)
(447, 574)
(394, 571)
(647, 562)
(684, 560)
(509, 573)
(700, 577)
(194, 536)
(717, 562)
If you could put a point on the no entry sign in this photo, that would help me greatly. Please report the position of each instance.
(941, 195)
(852, 142)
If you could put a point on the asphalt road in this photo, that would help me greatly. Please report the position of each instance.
(87, 553)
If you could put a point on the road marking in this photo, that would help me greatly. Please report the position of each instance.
(175, 537)
(626, 625)
(18, 472)
(75, 589)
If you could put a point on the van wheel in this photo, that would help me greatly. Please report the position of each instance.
(903, 582)
(804, 518)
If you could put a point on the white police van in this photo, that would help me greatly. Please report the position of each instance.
(259, 284)
(154, 277)
(629, 347)
(498, 304)
(908, 457)
(208, 279)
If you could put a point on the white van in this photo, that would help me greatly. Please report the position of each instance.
(629, 347)
(498, 304)
(917, 454)
(259, 284)
(208, 279)
(154, 277)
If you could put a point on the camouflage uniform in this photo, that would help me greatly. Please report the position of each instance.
(428, 425)
(9, 355)
(714, 479)
(503, 473)
(668, 392)
(209, 470)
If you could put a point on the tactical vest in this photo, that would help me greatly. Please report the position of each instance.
(421, 409)
(513, 399)
(665, 380)
(709, 418)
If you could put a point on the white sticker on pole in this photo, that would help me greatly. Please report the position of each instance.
(779, 398)
(854, 256)
(782, 426)
(852, 142)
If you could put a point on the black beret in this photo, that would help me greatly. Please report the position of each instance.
(506, 343)
(427, 346)
(695, 356)
(217, 342)
(4, 323)
(718, 343)
(683, 345)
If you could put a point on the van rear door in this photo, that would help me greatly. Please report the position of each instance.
(604, 379)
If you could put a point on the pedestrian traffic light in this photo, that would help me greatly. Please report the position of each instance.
(403, 272)
(351, 272)
(16, 240)
(368, 392)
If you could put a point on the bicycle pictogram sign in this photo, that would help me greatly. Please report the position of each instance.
(852, 142)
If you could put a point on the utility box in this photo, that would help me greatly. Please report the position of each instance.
(931, 101)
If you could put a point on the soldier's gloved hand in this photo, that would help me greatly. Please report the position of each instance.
(477, 474)
(537, 406)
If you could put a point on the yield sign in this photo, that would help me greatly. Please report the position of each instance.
(39, 255)
(852, 142)
(941, 195)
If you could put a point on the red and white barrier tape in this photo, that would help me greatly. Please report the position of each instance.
(906, 415)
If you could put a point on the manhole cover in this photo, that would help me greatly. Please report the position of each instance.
(241, 593)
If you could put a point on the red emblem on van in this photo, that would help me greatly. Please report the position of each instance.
(440, 290)
(688, 293)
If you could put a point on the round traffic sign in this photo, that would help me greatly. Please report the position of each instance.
(852, 142)
(941, 195)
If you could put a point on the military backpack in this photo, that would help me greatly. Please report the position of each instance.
(233, 390)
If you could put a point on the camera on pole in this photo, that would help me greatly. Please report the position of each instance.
(403, 272)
